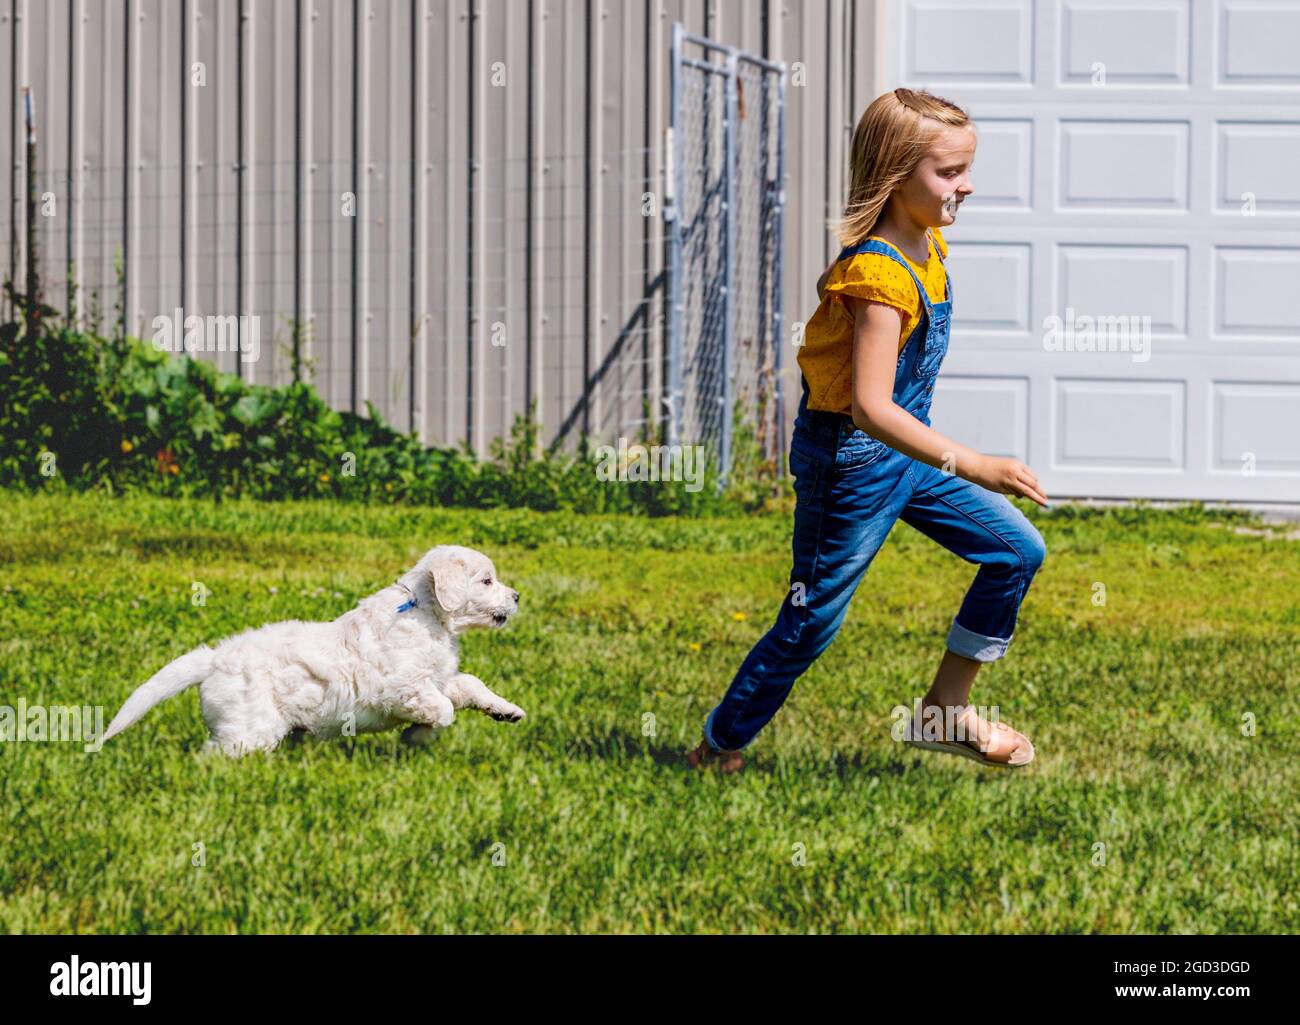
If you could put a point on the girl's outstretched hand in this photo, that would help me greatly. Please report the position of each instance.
(1007, 476)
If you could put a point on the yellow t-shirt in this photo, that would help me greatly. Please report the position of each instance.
(826, 356)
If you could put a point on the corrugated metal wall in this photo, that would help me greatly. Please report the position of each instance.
(499, 152)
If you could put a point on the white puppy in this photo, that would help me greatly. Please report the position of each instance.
(391, 660)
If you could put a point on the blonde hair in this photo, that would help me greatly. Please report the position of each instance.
(891, 138)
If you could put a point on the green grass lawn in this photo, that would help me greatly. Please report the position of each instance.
(584, 816)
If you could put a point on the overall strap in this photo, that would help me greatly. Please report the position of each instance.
(947, 279)
(873, 245)
(937, 251)
(870, 244)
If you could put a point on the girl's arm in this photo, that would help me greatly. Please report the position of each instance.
(877, 327)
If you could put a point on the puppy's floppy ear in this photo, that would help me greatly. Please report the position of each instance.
(449, 575)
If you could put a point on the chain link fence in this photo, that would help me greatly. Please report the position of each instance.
(728, 202)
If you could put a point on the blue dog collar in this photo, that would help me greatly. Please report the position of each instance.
(411, 603)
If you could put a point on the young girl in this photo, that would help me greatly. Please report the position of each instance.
(863, 453)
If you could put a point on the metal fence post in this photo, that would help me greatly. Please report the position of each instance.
(673, 185)
(728, 267)
(778, 272)
(33, 246)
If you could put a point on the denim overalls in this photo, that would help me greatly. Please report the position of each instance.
(850, 488)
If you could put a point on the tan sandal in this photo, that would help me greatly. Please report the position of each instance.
(1004, 742)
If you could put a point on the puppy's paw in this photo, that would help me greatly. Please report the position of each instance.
(506, 712)
(419, 735)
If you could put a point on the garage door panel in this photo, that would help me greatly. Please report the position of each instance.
(1127, 272)
(996, 287)
(1138, 43)
(1255, 423)
(1146, 283)
(992, 413)
(938, 38)
(1256, 44)
(1151, 172)
(1152, 415)
(1006, 161)
(1257, 163)
(1257, 294)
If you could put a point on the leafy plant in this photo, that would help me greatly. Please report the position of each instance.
(80, 410)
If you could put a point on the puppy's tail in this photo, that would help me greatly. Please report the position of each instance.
(169, 681)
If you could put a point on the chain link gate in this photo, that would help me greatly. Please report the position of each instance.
(725, 195)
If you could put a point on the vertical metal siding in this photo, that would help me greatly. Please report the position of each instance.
(270, 207)
(11, 165)
(49, 28)
(449, 268)
(477, 204)
(421, 198)
(156, 179)
(388, 318)
(476, 152)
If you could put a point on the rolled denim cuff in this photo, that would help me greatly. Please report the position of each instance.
(977, 646)
(708, 736)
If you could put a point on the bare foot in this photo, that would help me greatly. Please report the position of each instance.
(727, 761)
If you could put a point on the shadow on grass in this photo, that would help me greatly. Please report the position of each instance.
(619, 744)
(610, 745)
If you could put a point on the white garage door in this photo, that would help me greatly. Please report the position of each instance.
(1127, 272)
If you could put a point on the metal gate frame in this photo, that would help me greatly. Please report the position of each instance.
(727, 67)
